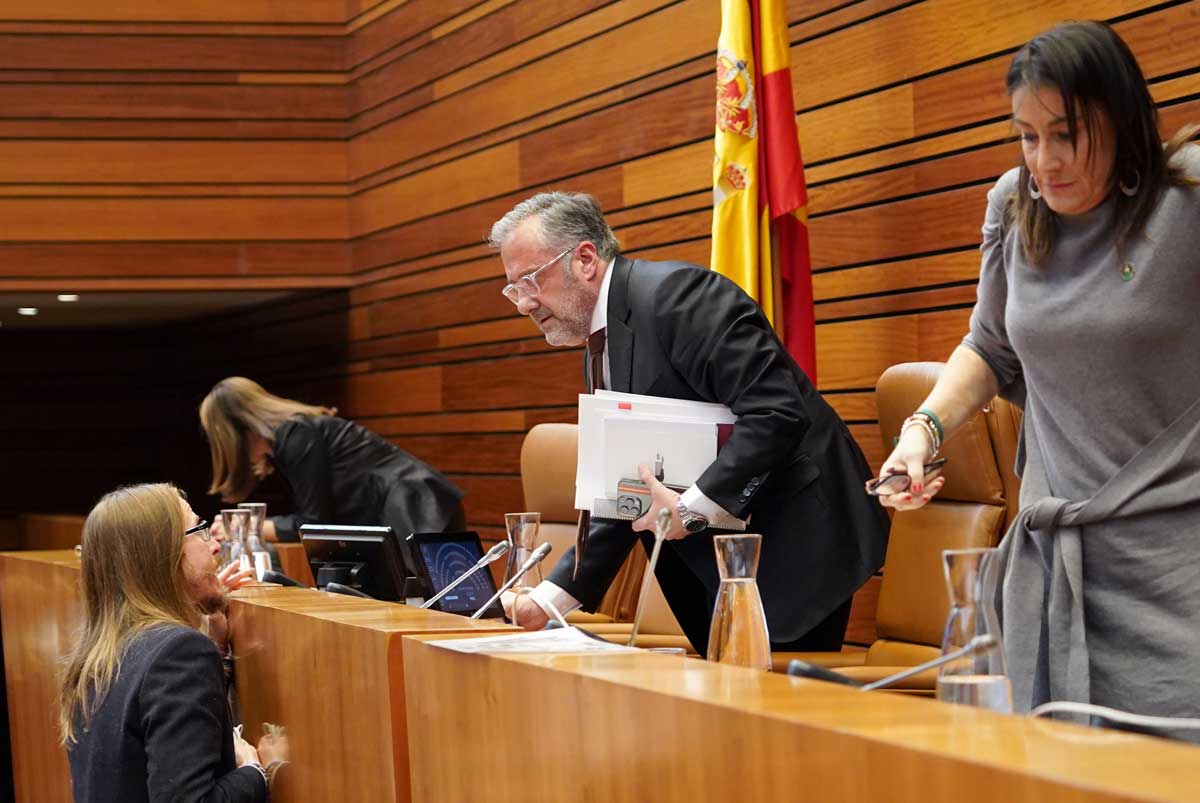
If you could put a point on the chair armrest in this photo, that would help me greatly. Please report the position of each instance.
(926, 681)
(618, 628)
(646, 641)
(585, 618)
(849, 656)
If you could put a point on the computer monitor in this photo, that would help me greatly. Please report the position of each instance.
(441, 558)
(365, 558)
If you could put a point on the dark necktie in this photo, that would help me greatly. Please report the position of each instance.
(595, 347)
(595, 359)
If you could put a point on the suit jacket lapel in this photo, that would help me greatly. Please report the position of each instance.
(620, 336)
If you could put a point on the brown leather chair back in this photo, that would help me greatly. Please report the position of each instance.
(548, 457)
(972, 510)
(548, 480)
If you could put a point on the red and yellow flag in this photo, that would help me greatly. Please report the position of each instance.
(760, 205)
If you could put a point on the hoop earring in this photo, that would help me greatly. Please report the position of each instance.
(1034, 192)
(1137, 183)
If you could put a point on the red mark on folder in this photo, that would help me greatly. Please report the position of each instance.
(624, 406)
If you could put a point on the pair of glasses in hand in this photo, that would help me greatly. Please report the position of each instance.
(898, 481)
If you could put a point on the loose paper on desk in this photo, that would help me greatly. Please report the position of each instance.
(564, 640)
(617, 431)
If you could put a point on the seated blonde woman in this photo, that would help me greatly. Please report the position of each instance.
(142, 706)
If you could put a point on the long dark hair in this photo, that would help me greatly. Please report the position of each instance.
(1096, 74)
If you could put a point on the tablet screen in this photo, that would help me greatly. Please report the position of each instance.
(447, 560)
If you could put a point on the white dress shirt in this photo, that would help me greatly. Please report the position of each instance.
(693, 498)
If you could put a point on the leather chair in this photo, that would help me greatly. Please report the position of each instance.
(548, 457)
(972, 510)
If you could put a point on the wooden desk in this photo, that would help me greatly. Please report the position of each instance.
(326, 666)
(40, 612)
(655, 727)
(330, 669)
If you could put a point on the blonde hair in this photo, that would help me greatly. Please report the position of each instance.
(131, 579)
(237, 405)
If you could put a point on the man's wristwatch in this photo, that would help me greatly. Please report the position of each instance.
(692, 521)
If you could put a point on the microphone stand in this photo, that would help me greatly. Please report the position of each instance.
(493, 553)
(538, 555)
(985, 643)
(660, 534)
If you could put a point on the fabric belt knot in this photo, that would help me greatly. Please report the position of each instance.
(1045, 514)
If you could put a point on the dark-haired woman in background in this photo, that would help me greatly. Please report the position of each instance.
(142, 706)
(1087, 316)
(336, 471)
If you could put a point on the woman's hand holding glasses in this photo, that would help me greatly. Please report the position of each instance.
(910, 477)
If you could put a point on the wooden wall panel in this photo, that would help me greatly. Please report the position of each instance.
(366, 147)
(148, 161)
(256, 11)
(222, 54)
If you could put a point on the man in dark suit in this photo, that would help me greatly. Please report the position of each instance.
(790, 469)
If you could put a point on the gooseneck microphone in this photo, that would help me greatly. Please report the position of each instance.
(492, 554)
(282, 579)
(980, 644)
(338, 588)
(660, 533)
(537, 556)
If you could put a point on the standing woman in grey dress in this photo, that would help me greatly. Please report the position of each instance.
(1088, 315)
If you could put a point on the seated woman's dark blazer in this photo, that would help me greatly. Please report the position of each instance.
(163, 732)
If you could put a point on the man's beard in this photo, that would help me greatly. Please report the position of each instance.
(213, 604)
(574, 317)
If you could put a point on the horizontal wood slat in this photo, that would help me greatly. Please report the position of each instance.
(264, 11)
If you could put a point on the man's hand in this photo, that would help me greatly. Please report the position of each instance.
(660, 496)
(233, 578)
(529, 614)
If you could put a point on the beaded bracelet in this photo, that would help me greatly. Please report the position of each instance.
(933, 419)
(924, 424)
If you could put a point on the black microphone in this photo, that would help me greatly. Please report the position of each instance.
(338, 588)
(980, 644)
(492, 554)
(282, 579)
(536, 557)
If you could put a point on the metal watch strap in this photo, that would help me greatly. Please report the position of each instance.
(690, 518)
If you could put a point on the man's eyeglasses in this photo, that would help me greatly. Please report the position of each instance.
(201, 530)
(527, 285)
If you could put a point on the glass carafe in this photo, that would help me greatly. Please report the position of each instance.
(739, 626)
(980, 677)
(522, 531)
(256, 545)
(236, 522)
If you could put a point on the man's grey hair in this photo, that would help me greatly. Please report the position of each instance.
(566, 219)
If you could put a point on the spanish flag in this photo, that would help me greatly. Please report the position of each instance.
(760, 205)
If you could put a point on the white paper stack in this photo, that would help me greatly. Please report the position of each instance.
(619, 431)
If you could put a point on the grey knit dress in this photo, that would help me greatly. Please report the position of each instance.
(1101, 589)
